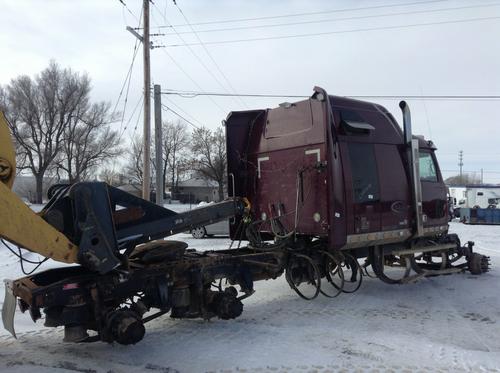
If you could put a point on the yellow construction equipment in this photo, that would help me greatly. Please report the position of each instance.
(7, 154)
(18, 223)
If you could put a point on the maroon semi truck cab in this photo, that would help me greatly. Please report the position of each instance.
(336, 169)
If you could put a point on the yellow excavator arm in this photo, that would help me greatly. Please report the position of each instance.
(18, 223)
(7, 154)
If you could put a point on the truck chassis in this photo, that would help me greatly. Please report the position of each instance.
(166, 276)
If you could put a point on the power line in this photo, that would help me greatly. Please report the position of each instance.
(189, 76)
(192, 94)
(188, 94)
(332, 19)
(127, 77)
(435, 97)
(209, 71)
(171, 102)
(128, 9)
(128, 90)
(129, 72)
(336, 32)
(167, 109)
(473, 153)
(210, 55)
(304, 14)
(139, 115)
(140, 102)
(127, 81)
(473, 171)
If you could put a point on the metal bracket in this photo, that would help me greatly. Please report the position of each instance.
(9, 308)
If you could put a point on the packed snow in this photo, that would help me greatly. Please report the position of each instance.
(446, 323)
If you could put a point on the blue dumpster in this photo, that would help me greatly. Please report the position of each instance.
(480, 216)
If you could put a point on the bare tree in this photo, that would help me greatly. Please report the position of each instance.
(174, 152)
(55, 127)
(209, 155)
(183, 168)
(135, 165)
(88, 141)
(175, 141)
(3, 99)
(464, 179)
(39, 110)
(111, 176)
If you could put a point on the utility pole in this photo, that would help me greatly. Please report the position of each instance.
(158, 146)
(147, 105)
(482, 176)
(460, 164)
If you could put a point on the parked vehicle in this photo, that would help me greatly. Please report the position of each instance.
(482, 196)
(217, 229)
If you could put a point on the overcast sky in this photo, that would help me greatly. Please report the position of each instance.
(460, 58)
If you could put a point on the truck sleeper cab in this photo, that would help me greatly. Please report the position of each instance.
(333, 168)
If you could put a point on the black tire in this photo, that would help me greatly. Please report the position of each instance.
(330, 259)
(356, 277)
(478, 264)
(311, 267)
(159, 251)
(378, 264)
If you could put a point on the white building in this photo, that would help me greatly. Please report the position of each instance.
(197, 189)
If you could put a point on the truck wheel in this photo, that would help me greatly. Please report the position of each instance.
(199, 232)
(478, 264)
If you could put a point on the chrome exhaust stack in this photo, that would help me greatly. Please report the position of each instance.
(413, 165)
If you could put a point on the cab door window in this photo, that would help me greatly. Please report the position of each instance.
(427, 167)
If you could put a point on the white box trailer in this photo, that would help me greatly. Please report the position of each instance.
(458, 195)
(482, 196)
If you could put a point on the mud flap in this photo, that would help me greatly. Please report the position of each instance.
(9, 308)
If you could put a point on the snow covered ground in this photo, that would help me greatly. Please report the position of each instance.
(447, 323)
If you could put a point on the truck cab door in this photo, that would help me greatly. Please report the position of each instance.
(362, 188)
(433, 190)
(395, 194)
